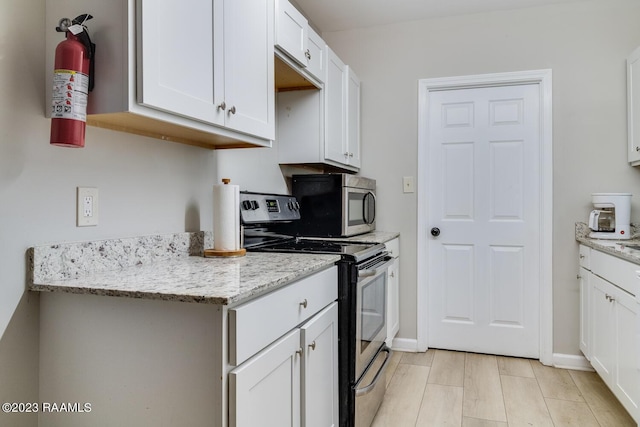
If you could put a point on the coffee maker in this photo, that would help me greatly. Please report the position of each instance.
(611, 217)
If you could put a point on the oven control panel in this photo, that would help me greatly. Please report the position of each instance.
(263, 208)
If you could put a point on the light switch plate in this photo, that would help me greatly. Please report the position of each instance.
(87, 206)
(408, 186)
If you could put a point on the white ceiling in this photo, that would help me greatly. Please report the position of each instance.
(337, 15)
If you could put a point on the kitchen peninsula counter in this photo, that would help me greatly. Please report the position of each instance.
(168, 267)
(618, 248)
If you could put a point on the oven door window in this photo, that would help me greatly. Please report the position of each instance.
(373, 313)
(361, 208)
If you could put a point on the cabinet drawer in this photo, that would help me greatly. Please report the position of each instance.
(615, 270)
(393, 246)
(584, 257)
(258, 323)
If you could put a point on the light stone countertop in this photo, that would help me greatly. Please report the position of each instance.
(618, 248)
(166, 267)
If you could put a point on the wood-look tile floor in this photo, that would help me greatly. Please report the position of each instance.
(446, 388)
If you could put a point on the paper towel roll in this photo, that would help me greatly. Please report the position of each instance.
(226, 217)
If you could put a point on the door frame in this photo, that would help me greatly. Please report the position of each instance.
(543, 78)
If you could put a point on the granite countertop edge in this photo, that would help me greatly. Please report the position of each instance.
(164, 267)
(613, 247)
(195, 279)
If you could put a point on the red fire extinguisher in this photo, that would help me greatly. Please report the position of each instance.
(73, 79)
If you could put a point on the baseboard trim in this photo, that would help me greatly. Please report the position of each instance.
(571, 361)
(405, 344)
(559, 360)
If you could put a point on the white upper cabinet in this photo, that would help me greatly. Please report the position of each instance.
(291, 32)
(248, 67)
(342, 113)
(633, 106)
(353, 118)
(317, 49)
(175, 76)
(335, 109)
(197, 72)
(322, 126)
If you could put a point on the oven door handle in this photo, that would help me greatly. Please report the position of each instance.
(374, 271)
(367, 389)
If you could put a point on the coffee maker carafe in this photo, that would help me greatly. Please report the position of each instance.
(611, 217)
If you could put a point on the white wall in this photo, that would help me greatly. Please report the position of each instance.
(146, 187)
(584, 43)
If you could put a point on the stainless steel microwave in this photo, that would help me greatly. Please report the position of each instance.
(335, 205)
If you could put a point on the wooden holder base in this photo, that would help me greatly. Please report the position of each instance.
(208, 253)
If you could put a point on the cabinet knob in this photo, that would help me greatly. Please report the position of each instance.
(609, 298)
(299, 352)
(304, 303)
(312, 345)
(346, 154)
(637, 148)
(578, 277)
(581, 256)
(392, 274)
(222, 106)
(232, 110)
(350, 154)
(308, 55)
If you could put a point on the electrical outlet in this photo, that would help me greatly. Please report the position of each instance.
(87, 206)
(408, 185)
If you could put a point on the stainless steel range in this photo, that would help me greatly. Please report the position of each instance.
(269, 223)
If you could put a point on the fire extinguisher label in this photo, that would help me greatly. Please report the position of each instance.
(70, 92)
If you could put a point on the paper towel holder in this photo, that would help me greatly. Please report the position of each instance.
(209, 253)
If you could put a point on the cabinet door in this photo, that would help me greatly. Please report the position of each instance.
(393, 302)
(585, 291)
(249, 93)
(291, 31)
(335, 112)
(317, 51)
(176, 65)
(633, 106)
(320, 369)
(602, 327)
(353, 118)
(627, 372)
(265, 390)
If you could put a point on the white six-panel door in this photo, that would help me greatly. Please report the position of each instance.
(484, 187)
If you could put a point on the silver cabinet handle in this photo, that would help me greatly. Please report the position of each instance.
(307, 54)
(299, 351)
(350, 154)
(346, 154)
(304, 303)
(609, 298)
(393, 274)
(312, 345)
(222, 106)
(637, 148)
(581, 256)
(232, 110)
(578, 276)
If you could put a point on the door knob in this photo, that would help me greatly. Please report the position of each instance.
(435, 231)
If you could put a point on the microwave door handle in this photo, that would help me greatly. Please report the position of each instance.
(365, 208)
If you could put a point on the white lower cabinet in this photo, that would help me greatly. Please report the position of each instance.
(293, 382)
(608, 325)
(585, 330)
(393, 291)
